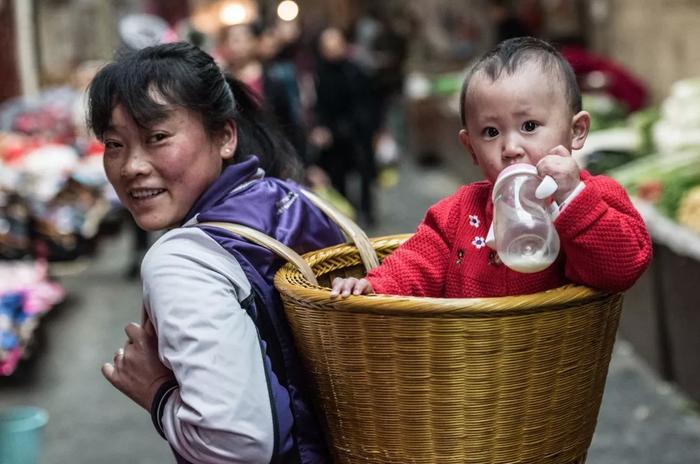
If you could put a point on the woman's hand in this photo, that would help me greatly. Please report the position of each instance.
(344, 287)
(562, 167)
(137, 371)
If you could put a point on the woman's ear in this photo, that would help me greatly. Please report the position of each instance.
(464, 140)
(580, 124)
(229, 140)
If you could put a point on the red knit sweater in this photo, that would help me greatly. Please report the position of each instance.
(604, 244)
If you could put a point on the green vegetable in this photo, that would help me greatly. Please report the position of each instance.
(600, 162)
(643, 121)
(677, 173)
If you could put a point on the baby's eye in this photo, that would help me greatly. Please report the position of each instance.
(529, 126)
(490, 132)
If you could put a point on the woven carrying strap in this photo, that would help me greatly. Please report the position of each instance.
(352, 231)
(279, 248)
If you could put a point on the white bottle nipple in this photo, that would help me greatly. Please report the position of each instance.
(546, 188)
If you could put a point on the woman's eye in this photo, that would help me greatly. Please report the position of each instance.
(530, 126)
(155, 138)
(111, 144)
(490, 132)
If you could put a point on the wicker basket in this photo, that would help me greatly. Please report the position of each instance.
(421, 380)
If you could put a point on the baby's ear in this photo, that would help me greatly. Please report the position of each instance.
(580, 124)
(465, 141)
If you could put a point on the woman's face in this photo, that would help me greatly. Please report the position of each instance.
(159, 172)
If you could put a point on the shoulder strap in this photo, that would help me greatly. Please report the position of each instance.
(352, 231)
(268, 242)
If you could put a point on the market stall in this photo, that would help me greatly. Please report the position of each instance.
(54, 202)
(655, 155)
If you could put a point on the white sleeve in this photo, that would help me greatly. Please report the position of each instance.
(222, 411)
(556, 209)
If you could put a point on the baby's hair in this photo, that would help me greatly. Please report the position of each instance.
(510, 55)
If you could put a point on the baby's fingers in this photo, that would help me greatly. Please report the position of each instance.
(559, 150)
(362, 287)
(343, 287)
(108, 371)
(337, 286)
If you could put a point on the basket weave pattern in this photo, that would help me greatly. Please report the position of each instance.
(425, 380)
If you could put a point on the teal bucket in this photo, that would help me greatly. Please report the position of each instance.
(20, 434)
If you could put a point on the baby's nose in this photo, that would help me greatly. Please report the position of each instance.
(512, 150)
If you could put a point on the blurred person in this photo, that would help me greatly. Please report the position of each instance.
(520, 103)
(381, 51)
(213, 361)
(238, 51)
(257, 57)
(277, 48)
(505, 20)
(344, 124)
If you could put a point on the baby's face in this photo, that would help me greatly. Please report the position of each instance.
(518, 118)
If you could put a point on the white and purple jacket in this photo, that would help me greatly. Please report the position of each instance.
(240, 396)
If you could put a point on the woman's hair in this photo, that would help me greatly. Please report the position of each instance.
(147, 82)
(509, 55)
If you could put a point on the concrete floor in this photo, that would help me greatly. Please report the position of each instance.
(642, 420)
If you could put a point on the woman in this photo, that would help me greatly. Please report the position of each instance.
(214, 361)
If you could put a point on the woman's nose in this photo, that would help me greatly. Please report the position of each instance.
(136, 164)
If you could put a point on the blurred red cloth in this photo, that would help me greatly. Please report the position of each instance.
(621, 85)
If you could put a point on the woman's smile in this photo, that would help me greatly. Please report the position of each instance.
(145, 193)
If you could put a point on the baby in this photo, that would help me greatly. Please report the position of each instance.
(520, 103)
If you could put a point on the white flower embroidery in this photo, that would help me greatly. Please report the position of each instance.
(474, 220)
(479, 242)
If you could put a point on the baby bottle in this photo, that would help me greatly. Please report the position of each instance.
(526, 240)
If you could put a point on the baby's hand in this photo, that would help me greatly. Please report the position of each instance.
(345, 287)
(561, 166)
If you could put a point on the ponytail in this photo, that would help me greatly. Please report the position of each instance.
(258, 135)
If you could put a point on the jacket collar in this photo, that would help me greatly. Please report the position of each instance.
(233, 177)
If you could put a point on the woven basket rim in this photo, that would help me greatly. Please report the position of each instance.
(550, 300)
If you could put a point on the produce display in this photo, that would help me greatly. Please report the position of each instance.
(663, 169)
(662, 180)
(689, 210)
(616, 137)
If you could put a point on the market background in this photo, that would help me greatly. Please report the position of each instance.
(67, 250)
